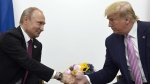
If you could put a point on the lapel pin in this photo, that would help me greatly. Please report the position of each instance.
(143, 36)
(35, 46)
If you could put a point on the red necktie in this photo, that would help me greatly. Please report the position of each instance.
(30, 55)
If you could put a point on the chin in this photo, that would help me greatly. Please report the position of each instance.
(36, 36)
(116, 32)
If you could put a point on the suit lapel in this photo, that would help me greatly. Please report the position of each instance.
(122, 57)
(19, 33)
(34, 49)
(141, 34)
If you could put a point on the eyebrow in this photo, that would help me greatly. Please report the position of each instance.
(41, 22)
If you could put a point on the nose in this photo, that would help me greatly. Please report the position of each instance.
(42, 28)
(109, 24)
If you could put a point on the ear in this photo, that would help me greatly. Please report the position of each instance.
(127, 19)
(25, 19)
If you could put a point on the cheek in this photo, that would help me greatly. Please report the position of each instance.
(120, 26)
(37, 27)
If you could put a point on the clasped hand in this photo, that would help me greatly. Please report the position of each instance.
(74, 79)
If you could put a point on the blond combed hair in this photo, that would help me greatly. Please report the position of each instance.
(124, 9)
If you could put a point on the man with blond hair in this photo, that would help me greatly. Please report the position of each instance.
(127, 48)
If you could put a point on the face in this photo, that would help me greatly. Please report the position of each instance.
(34, 25)
(117, 24)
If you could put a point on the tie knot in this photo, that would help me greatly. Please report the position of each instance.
(30, 41)
(128, 36)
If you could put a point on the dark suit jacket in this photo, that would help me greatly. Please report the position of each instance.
(14, 59)
(116, 59)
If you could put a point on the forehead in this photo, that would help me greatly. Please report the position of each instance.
(114, 15)
(38, 15)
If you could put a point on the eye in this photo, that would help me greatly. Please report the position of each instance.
(40, 23)
(112, 20)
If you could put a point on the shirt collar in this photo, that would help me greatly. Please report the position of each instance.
(26, 37)
(133, 31)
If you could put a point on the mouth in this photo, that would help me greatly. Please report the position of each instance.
(113, 29)
(38, 32)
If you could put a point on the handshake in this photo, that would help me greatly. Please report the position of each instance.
(75, 74)
(74, 79)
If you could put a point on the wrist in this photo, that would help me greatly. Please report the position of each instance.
(59, 76)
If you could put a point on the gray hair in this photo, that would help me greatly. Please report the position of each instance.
(28, 12)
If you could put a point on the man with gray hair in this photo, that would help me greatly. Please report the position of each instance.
(20, 52)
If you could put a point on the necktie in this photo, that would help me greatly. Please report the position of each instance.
(133, 61)
(30, 55)
(30, 48)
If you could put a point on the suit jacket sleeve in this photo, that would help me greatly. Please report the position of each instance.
(109, 71)
(13, 46)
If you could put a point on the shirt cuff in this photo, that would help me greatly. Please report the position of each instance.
(88, 79)
(53, 75)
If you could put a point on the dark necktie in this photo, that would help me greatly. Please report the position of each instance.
(133, 61)
(30, 55)
(30, 48)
